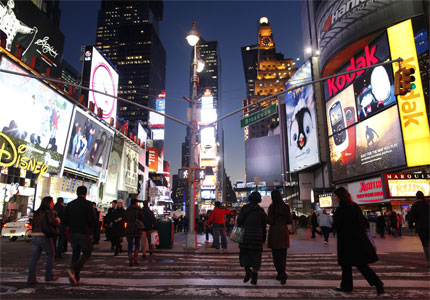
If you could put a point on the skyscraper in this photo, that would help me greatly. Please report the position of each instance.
(266, 73)
(51, 8)
(128, 34)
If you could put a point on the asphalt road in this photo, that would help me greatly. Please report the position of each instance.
(204, 274)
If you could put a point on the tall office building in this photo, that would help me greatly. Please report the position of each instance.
(51, 8)
(266, 73)
(128, 34)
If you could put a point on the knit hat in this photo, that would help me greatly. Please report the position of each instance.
(255, 197)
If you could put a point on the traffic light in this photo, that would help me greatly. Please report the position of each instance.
(403, 81)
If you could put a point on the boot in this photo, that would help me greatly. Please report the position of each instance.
(116, 251)
(130, 258)
(254, 277)
(136, 254)
(379, 288)
(247, 274)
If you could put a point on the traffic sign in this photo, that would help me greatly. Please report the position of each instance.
(258, 116)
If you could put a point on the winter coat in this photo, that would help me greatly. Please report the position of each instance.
(117, 229)
(44, 224)
(279, 236)
(419, 214)
(218, 215)
(253, 218)
(353, 246)
(149, 221)
(325, 220)
(380, 222)
(133, 215)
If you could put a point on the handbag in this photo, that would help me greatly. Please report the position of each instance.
(155, 240)
(237, 234)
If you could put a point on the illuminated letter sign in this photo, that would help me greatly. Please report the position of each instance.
(412, 106)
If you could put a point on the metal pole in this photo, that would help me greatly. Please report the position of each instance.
(191, 234)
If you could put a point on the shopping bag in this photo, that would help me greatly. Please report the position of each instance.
(155, 240)
(237, 234)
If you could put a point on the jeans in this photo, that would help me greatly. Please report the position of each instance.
(314, 229)
(41, 243)
(81, 161)
(133, 240)
(367, 272)
(372, 228)
(326, 232)
(80, 242)
(219, 230)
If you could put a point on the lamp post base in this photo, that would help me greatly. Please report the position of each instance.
(191, 242)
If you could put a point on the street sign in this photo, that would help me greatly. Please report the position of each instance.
(153, 192)
(184, 174)
(200, 174)
(258, 116)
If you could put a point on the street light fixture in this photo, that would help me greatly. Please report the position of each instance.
(193, 38)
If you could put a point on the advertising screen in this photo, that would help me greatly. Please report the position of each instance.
(301, 121)
(103, 77)
(263, 158)
(111, 186)
(401, 185)
(377, 146)
(127, 180)
(152, 159)
(25, 27)
(89, 145)
(157, 120)
(34, 114)
(326, 201)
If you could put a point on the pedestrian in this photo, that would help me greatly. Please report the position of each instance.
(294, 223)
(44, 228)
(217, 219)
(175, 222)
(60, 242)
(117, 229)
(81, 220)
(180, 223)
(279, 237)
(108, 223)
(186, 223)
(399, 224)
(353, 246)
(314, 223)
(387, 223)
(149, 226)
(393, 224)
(380, 224)
(254, 220)
(325, 222)
(208, 228)
(419, 214)
(96, 233)
(133, 231)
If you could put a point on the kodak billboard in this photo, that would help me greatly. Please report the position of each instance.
(412, 107)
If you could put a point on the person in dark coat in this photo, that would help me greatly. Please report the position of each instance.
(150, 225)
(353, 246)
(253, 218)
(117, 230)
(380, 224)
(134, 229)
(108, 224)
(314, 223)
(419, 214)
(60, 242)
(279, 239)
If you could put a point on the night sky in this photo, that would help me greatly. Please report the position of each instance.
(232, 23)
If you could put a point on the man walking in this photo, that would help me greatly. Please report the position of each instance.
(218, 219)
(81, 219)
(60, 242)
(314, 222)
(419, 214)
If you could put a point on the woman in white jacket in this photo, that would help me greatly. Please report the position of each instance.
(325, 221)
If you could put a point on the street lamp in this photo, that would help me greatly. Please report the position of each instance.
(192, 38)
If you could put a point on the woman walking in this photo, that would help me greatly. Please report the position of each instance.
(353, 246)
(279, 239)
(150, 225)
(133, 231)
(44, 228)
(253, 218)
(325, 221)
(117, 230)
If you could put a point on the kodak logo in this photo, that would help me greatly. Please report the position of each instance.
(336, 84)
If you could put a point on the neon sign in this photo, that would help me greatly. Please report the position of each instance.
(16, 158)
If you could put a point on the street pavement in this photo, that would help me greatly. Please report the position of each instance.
(178, 273)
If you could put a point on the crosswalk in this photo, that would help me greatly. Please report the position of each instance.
(195, 276)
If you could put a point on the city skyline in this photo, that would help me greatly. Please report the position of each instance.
(238, 27)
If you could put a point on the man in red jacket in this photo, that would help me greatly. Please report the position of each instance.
(217, 218)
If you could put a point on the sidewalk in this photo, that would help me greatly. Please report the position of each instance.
(298, 246)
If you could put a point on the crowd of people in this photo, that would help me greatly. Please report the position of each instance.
(80, 222)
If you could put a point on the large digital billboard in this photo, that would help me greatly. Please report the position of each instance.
(102, 77)
(35, 114)
(111, 185)
(89, 145)
(301, 121)
(375, 145)
(127, 180)
(26, 28)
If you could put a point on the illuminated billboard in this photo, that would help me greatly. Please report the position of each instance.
(111, 185)
(35, 114)
(152, 159)
(89, 145)
(301, 121)
(412, 107)
(25, 29)
(207, 143)
(127, 179)
(375, 145)
(102, 77)
(157, 120)
(401, 185)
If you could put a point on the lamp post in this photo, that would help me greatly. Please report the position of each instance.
(192, 38)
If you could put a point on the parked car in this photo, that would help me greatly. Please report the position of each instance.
(19, 228)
